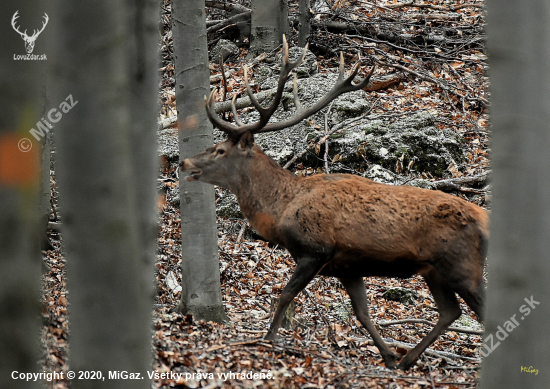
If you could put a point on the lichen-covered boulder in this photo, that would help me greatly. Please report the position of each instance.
(413, 139)
(224, 49)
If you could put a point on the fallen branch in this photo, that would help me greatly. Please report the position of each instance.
(412, 4)
(432, 80)
(438, 354)
(453, 183)
(245, 343)
(218, 77)
(242, 17)
(422, 321)
(225, 6)
(368, 30)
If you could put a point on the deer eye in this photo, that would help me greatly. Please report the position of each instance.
(220, 152)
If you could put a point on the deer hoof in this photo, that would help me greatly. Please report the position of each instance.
(405, 364)
(390, 361)
(270, 336)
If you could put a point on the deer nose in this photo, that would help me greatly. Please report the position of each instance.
(187, 164)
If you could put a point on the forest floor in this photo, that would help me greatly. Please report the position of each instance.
(439, 49)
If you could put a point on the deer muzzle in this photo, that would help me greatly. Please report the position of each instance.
(193, 172)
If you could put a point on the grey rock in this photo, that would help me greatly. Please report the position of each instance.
(403, 295)
(224, 49)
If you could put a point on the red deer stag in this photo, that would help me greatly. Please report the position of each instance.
(346, 226)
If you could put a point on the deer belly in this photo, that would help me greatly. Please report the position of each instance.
(350, 265)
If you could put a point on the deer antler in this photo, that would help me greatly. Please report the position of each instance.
(234, 132)
(341, 86)
(16, 16)
(24, 34)
(36, 32)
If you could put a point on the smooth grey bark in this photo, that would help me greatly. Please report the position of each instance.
(201, 295)
(143, 62)
(103, 58)
(519, 269)
(20, 261)
(269, 23)
(304, 28)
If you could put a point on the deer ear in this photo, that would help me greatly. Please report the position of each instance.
(246, 140)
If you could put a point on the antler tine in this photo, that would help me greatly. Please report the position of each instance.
(38, 32)
(250, 93)
(235, 114)
(232, 131)
(341, 71)
(286, 69)
(13, 19)
(297, 102)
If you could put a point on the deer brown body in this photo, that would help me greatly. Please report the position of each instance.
(350, 227)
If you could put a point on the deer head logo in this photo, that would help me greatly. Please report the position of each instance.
(29, 40)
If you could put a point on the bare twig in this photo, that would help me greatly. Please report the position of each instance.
(338, 127)
(326, 140)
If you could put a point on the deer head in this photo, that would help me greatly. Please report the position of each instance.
(29, 40)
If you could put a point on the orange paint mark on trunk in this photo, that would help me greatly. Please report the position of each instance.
(17, 167)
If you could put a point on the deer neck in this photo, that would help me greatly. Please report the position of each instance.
(263, 190)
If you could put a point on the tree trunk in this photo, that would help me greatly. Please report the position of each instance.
(516, 355)
(103, 59)
(143, 62)
(20, 260)
(201, 295)
(269, 23)
(304, 23)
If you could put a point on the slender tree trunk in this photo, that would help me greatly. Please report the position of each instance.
(20, 260)
(143, 62)
(269, 23)
(201, 295)
(305, 20)
(517, 309)
(103, 63)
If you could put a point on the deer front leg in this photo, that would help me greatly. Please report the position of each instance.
(306, 269)
(358, 295)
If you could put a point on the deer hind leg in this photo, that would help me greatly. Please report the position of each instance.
(358, 295)
(449, 311)
(469, 285)
(474, 296)
(306, 269)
